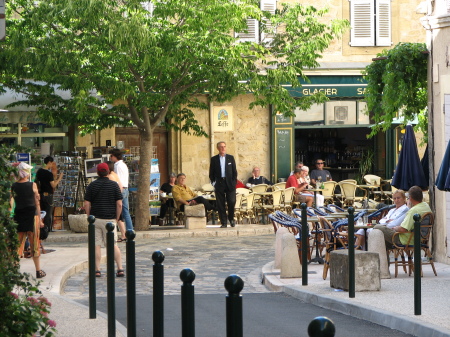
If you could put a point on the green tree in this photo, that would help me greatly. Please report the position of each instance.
(121, 64)
(24, 309)
(397, 87)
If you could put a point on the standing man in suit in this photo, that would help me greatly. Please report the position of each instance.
(223, 176)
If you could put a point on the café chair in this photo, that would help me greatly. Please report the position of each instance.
(407, 250)
(332, 208)
(328, 191)
(279, 186)
(244, 191)
(294, 227)
(332, 239)
(273, 204)
(248, 211)
(349, 193)
(374, 180)
(261, 188)
(208, 189)
(238, 208)
(288, 198)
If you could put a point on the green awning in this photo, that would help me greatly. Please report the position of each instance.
(332, 86)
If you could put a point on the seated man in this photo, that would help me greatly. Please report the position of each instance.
(417, 206)
(184, 196)
(257, 179)
(299, 187)
(320, 172)
(392, 219)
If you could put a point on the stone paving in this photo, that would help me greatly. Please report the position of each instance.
(208, 257)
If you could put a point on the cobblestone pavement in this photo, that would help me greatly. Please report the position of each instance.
(211, 258)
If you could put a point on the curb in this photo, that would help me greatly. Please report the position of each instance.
(385, 318)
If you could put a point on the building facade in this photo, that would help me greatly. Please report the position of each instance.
(437, 25)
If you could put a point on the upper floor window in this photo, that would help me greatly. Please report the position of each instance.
(370, 23)
(253, 33)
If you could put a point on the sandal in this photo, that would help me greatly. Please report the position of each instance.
(40, 274)
(98, 273)
(120, 273)
(122, 240)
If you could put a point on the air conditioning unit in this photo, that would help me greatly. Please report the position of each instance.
(120, 145)
(341, 113)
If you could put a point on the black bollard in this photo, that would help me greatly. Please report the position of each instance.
(234, 285)
(305, 247)
(187, 303)
(131, 283)
(91, 254)
(417, 267)
(321, 327)
(351, 252)
(110, 281)
(158, 294)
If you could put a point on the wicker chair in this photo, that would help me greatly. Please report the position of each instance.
(407, 250)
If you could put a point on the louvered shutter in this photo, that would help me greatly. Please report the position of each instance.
(252, 33)
(362, 23)
(149, 6)
(383, 23)
(269, 6)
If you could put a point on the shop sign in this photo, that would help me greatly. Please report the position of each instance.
(330, 91)
(19, 117)
(223, 118)
(23, 157)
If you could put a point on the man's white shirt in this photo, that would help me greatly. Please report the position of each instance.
(122, 171)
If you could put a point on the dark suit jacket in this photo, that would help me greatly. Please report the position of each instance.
(230, 171)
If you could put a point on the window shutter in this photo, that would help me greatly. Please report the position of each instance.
(149, 6)
(383, 23)
(362, 23)
(252, 33)
(268, 6)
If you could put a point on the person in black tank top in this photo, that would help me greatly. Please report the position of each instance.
(26, 197)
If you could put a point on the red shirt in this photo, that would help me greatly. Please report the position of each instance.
(292, 181)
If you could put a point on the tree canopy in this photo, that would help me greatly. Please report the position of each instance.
(122, 63)
(397, 87)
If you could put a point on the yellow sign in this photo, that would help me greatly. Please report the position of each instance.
(223, 118)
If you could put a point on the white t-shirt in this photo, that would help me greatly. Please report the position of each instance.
(122, 171)
(396, 215)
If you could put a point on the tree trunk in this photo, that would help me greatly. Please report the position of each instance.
(142, 211)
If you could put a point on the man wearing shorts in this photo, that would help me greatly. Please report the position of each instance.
(103, 200)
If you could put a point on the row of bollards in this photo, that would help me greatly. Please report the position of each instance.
(319, 327)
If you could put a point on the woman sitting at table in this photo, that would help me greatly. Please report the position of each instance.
(393, 219)
(304, 178)
(167, 189)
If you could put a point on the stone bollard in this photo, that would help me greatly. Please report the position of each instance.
(290, 262)
(377, 245)
(367, 270)
(279, 246)
(195, 216)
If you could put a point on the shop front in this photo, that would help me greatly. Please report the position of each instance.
(335, 131)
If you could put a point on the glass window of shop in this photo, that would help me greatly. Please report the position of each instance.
(335, 132)
(26, 129)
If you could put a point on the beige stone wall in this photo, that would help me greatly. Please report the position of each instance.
(439, 85)
(249, 143)
(406, 27)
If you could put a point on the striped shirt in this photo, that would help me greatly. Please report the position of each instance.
(103, 194)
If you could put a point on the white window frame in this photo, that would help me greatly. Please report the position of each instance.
(371, 23)
(253, 33)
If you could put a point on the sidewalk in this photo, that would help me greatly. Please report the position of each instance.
(393, 306)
